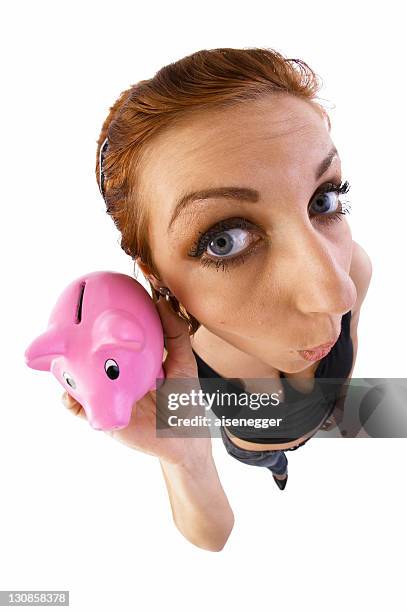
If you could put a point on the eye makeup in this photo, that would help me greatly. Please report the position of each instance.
(255, 233)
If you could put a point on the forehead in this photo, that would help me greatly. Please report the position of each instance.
(276, 139)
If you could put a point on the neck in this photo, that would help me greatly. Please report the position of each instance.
(228, 360)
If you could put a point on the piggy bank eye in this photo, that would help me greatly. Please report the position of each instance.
(69, 380)
(112, 369)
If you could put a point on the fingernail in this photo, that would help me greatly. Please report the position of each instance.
(66, 400)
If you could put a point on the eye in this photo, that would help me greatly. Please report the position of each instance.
(225, 240)
(69, 380)
(112, 369)
(228, 242)
(325, 203)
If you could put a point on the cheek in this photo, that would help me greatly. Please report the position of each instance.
(213, 299)
(212, 307)
(226, 300)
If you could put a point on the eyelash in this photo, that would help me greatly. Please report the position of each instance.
(206, 237)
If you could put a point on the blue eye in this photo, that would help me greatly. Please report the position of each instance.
(325, 202)
(229, 242)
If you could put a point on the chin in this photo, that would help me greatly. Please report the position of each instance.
(295, 366)
(289, 369)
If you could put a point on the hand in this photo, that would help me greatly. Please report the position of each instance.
(140, 433)
(334, 419)
(328, 425)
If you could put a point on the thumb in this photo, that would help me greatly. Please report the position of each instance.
(73, 406)
(180, 361)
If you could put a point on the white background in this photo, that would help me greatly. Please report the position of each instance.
(78, 510)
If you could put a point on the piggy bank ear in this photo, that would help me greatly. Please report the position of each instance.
(45, 348)
(118, 327)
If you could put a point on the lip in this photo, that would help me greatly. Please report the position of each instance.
(320, 347)
(316, 353)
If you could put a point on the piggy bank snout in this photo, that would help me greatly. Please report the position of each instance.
(106, 419)
(107, 426)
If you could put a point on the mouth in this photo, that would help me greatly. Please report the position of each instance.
(317, 352)
(320, 347)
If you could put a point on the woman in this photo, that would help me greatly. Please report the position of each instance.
(221, 175)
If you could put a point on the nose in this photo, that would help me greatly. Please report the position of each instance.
(321, 283)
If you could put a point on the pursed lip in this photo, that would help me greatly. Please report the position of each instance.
(321, 347)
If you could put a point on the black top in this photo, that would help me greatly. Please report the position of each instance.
(300, 412)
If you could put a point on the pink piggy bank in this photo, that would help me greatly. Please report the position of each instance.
(104, 343)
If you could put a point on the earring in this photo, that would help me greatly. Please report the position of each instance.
(165, 291)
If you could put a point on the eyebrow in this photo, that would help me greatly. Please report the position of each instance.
(242, 194)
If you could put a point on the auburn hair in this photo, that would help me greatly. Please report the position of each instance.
(206, 79)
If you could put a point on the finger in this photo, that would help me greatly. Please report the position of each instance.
(73, 406)
(180, 360)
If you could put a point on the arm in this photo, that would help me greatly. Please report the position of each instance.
(361, 274)
(199, 505)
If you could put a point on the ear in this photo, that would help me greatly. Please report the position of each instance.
(118, 327)
(148, 274)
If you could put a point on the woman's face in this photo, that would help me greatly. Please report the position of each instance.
(264, 263)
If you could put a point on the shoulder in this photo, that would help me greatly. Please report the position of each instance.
(361, 274)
